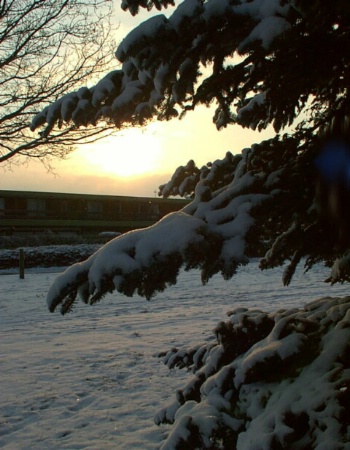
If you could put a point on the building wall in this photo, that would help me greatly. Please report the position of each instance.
(20, 209)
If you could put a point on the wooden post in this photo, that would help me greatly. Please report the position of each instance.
(21, 263)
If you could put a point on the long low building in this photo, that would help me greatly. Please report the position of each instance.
(39, 211)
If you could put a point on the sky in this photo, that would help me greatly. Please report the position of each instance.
(135, 161)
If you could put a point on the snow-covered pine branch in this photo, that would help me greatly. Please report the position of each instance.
(163, 59)
(208, 234)
(216, 175)
(263, 201)
(217, 232)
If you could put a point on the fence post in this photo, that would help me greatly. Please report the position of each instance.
(21, 263)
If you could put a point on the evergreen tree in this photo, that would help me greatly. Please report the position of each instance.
(278, 62)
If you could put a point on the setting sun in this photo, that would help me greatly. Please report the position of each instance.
(133, 152)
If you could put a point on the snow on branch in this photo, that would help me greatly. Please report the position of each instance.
(162, 60)
(266, 209)
(142, 261)
(210, 233)
(216, 175)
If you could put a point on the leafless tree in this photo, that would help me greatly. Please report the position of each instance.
(48, 48)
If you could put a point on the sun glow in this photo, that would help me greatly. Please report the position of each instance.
(132, 152)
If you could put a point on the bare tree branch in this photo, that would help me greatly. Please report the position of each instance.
(46, 50)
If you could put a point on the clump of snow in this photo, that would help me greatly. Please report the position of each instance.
(214, 9)
(256, 101)
(260, 9)
(189, 9)
(270, 20)
(144, 31)
(266, 31)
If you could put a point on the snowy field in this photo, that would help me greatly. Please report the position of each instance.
(91, 379)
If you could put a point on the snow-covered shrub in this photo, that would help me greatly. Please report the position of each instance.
(268, 381)
(47, 255)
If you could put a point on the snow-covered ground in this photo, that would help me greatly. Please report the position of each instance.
(91, 379)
